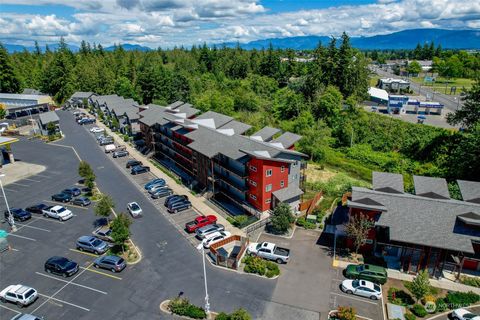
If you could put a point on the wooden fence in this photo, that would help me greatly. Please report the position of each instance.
(309, 206)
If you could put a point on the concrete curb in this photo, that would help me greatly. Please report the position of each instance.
(164, 308)
(242, 272)
(280, 236)
(140, 257)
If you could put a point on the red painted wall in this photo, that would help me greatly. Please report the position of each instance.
(371, 233)
(261, 180)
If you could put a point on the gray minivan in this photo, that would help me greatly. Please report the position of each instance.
(203, 231)
(92, 244)
(179, 206)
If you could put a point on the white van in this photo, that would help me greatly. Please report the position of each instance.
(109, 148)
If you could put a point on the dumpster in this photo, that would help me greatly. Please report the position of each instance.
(3, 241)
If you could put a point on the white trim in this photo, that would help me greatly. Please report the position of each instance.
(268, 187)
(267, 171)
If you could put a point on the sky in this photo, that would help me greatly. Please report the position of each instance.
(168, 23)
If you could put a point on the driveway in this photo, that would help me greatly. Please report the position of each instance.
(308, 281)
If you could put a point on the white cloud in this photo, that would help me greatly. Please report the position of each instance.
(177, 22)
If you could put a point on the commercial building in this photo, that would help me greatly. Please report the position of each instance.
(426, 230)
(210, 151)
(393, 85)
(19, 105)
(6, 154)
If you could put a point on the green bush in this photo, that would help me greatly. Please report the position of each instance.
(260, 266)
(239, 314)
(470, 281)
(222, 316)
(182, 307)
(418, 310)
(461, 299)
(302, 222)
(409, 316)
(400, 297)
(441, 305)
(272, 269)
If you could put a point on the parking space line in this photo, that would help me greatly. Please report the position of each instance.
(28, 226)
(13, 310)
(63, 301)
(11, 190)
(19, 184)
(48, 219)
(22, 237)
(86, 253)
(30, 179)
(353, 298)
(70, 282)
(102, 273)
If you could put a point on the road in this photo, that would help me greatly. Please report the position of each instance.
(451, 102)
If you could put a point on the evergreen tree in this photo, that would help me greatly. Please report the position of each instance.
(9, 81)
(468, 115)
(37, 51)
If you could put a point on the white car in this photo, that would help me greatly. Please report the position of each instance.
(214, 238)
(464, 314)
(134, 209)
(19, 294)
(97, 130)
(362, 288)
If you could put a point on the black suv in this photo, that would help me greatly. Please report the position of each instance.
(62, 197)
(18, 214)
(175, 198)
(61, 266)
(37, 208)
(133, 163)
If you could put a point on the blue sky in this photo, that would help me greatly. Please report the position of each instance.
(167, 23)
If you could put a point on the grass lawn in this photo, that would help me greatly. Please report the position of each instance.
(440, 84)
(374, 80)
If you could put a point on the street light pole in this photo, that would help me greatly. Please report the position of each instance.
(207, 303)
(11, 221)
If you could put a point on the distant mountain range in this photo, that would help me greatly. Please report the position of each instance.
(406, 39)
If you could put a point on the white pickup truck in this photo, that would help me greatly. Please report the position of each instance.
(57, 212)
(269, 251)
(110, 148)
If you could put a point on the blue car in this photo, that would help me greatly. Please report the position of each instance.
(72, 191)
(18, 214)
(139, 169)
(154, 182)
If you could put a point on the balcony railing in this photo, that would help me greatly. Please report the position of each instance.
(241, 175)
(241, 189)
(189, 170)
(177, 151)
(243, 204)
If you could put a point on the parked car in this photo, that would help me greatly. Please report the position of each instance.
(211, 228)
(106, 141)
(18, 214)
(156, 187)
(57, 212)
(463, 314)
(97, 130)
(72, 191)
(103, 233)
(133, 163)
(152, 182)
(61, 266)
(139, 169)
(162, 193)
(110, 148)
(62, 197)
(269, 251)
(199, 222)
(92, 244)
(174, 198)
(367, 272)
(81, 201)
(26, 316)
(37, 208)
(176, 207)
(134, 209)
(86, 121)
(112, 263)
(19, 294)
(362, 288)
(120, 153)
(214, 238)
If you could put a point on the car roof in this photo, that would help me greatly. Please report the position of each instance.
(214, 234)
(133, 203)
(56, 259)
(87, 238)
(111, 258)
(372, 267)
(205, 228)
(367, 284)
(56, 207)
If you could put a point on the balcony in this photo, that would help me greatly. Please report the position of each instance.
(178, 151)
(181, 165)
(241, 189)
(224, 165)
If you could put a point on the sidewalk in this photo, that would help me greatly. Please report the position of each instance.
(441, 283)
(198, 202)
(19, 170)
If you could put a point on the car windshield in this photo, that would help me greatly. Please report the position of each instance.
(135, 206)
(355, 283)
(469, 315)
(108, 232)
(63, 262)
(62, 209)
(96, 242)
(29, 293)
(376, 287)
(120, 261)
(359, 268)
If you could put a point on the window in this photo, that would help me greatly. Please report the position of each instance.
(268, 187)
(253, 183)
(254, 169)
(268, 173)
(282, 184)
(282, 169)
(294, 164)
(253, 197)
(268, 200)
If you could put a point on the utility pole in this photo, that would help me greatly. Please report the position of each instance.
(207, 303)
(351, 139)
(11, 221)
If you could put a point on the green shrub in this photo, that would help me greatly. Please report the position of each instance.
(239, 314)
(418, 310)
(222, 316)
(272, 269)
(302, 222)
(441, 305)
(182, 307)
(126, 138)
(461, 298)
(260, 266)
(470, 281)
(400, 297)
(409, 316)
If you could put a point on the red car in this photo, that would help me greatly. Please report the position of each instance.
(199, 222)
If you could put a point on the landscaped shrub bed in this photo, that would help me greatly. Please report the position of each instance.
(302, 222)
(461, 299)
(183, 307)
(260, 266)
(418, 310)
(400, 297)
(470, 281)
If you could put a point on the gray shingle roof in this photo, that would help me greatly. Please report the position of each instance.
(287, 193)
(121, 107)
(266, 133)
(31, 91)
(152, 115)
(470, 190)
(218, 119)
(388, 182)
(287, 139)
(237, 126)
(431, 187)
(47, 117)
(82, 95)
(175, 104)
(188, 109)
(423, 221)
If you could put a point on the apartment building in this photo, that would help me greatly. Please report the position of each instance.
(125, 111)
(212, 153)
